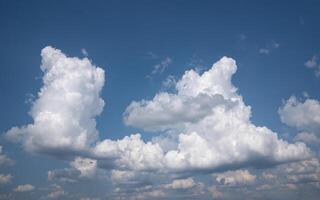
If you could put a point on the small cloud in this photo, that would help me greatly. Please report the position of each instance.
(151, 55)
(84, 52)
(313, 63)
(159, 68)
(264, 51)
(56, 192)
(270, 46)
(24, 188)
(4, 179)
(275, 45)
(242, 37)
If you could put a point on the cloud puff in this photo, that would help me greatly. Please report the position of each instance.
(4, 179)
(313, 64)
(24, 188)
(301, 115)
(67, 104)
(238, 177)
(181, 184)
(212, 123)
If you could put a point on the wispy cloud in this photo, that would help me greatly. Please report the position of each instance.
(313, 63)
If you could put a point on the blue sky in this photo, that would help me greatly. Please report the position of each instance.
(140, 45)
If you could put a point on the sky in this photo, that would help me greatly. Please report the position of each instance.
(159, 100)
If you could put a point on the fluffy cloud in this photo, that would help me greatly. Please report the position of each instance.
(4, 160)
(209, 122)
(63, 114)
(181, 184)
(212, 124)
(4, 179)
(238, 177)
(24, 188)
(301, 115)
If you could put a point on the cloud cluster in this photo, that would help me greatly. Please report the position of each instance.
(209, 122)
(212, 124)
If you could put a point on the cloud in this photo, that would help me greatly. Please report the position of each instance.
(238, 177)
(65, 110)
(264, 51)
(215, 193)
(4, 160)
(84, 52)
(212, 124)
(304, 116)
(308, 138)
(24, 188)
(209, 122)
(86, 166)
(80, 168)
(181, 184)
(159, 68)
(56, 192)
(313, 64)
(4, 179)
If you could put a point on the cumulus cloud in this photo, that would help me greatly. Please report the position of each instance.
(24, 188)
(212, 123)
(4, 179)
(238, 177)
(208, 119)
(67, 104)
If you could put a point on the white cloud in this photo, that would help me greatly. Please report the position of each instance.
(4, 160)
(181, 184)
(84, 52)
(24, 188)
(209, 119)
(159, 68)
(313, 64)
(308, 138)
(86, 166)
(304, 116)
(212, 122)
(238, 177)
(67, 104)
(264, 51)
(4, 179)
